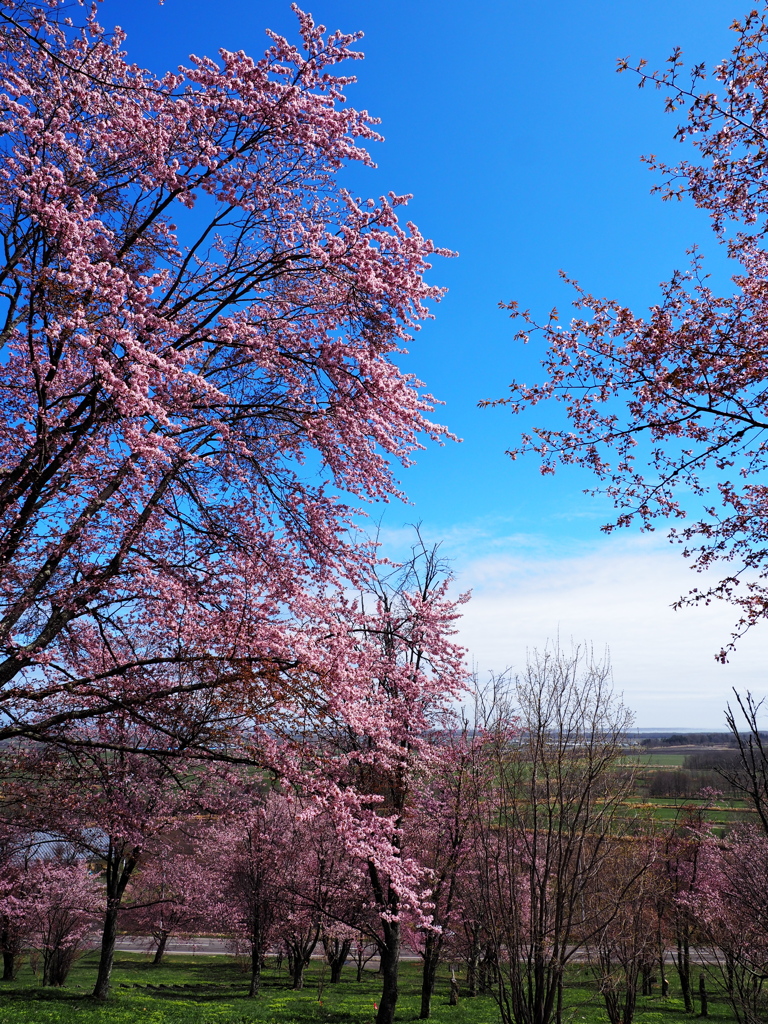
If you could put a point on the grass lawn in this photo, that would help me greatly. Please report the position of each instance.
(211, 990)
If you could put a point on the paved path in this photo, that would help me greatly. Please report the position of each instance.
(204, 945)
(208, 946)
(198, 944)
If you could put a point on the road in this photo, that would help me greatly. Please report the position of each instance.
(209, 946)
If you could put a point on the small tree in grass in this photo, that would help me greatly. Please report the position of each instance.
(63, 908)
(164, 897)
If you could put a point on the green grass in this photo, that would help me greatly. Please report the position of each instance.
(656, 760)
(212, 990)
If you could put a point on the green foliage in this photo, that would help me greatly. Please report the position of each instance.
(212, 990)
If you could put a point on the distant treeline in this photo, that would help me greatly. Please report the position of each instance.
(697, 739)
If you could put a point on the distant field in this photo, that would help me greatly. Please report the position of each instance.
(662, 760)
(727, 811)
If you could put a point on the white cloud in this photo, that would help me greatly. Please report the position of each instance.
(617, 594)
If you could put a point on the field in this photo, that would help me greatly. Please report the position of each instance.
(656, 760)
(666, 789)
(211, 990)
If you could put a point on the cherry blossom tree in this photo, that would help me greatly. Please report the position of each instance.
(729, 906)
(200, 328)
(17, 848)
(110, 804)
(48, 901)
(163, 897)
(338, 941)
(322, 897)
(302, 886)
(437, 832)
(677, 869)
(244, 877)
(411, 668)
(202, 335)
(63, 900)
(668, 410)
(471, 939)
(365, 949)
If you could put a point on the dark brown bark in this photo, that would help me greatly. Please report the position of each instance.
(300, 950)
(704, 1012)
(472, 930)
(255, 983)
(9, 965)
(647, 979)
(107, 954)
(298, 975)
(56, 966)
(453, 999)
(751, 775)
(160, 951)
(683, 965)
(336, 953)
(120, 865)
(363, 954)
(472, 975)
(431, 957)
(389, 951)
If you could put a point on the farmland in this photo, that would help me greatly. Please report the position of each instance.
(669, 788)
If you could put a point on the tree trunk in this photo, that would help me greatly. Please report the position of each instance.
(119, 868)
(389, 951)
(159, 952)
(487, 973)
(56, 965)
(298, 973)
(300, 950)
(107, 957)
(257, 952)
(630, 1001)
(255, 983)
(684, 968)
(431, 960)
(337, 953)
(47, 962)
(703, 996)
(9, 965)
(472, 973)
(454, 996)
(647, 973)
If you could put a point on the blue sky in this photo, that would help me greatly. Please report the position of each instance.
(522, 148)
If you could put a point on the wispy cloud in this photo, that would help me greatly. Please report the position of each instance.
(617, 594)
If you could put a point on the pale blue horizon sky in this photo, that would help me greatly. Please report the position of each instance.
(522, 148)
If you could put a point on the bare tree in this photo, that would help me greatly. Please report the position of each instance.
(549, 816)
(750, 775)
(625, 944)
